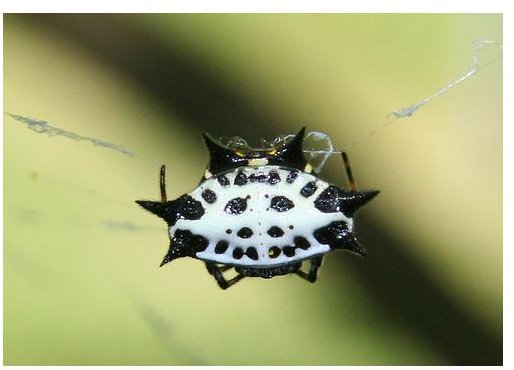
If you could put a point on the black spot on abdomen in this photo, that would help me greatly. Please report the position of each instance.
(222, 179)
(240, 179)
(209, 196)
(274, 252)
(309, 189)
(289, 251)
(301, 242)
(291, 176)
(236, 206)
(273, 177)
(258, 177)
(252, 253)
(237, 253)
(275, 232)
(245, 232)
(221, 247)
(281, 204)
(329, 201)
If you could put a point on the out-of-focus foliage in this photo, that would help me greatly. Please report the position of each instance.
(81, 282)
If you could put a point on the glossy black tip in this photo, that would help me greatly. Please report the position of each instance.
(221, 158)
(156, 208)
(291, 154)
(165, 260)
(354, 200)
(352, 244)
(173, 253)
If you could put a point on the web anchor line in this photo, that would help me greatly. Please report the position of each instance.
(409, 111)
(43, 127)
(319, 156)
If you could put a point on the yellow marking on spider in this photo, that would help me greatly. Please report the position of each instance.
(256, 162)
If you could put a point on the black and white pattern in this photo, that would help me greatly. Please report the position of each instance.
(263, 217)
(261, 212)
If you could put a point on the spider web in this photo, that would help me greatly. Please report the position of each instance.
(318, 145)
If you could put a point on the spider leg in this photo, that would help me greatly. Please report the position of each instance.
(224, 268)
(162, 182)
(312, 275)
(221, 268)
(348, 168)
(217, 272)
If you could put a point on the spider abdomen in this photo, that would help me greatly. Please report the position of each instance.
(263, 221)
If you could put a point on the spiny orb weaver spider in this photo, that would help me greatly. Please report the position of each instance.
(262, 212)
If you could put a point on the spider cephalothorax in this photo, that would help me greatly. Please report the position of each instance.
(261, 212)
(223, 159)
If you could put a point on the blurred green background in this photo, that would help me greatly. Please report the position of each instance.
(81, 277)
